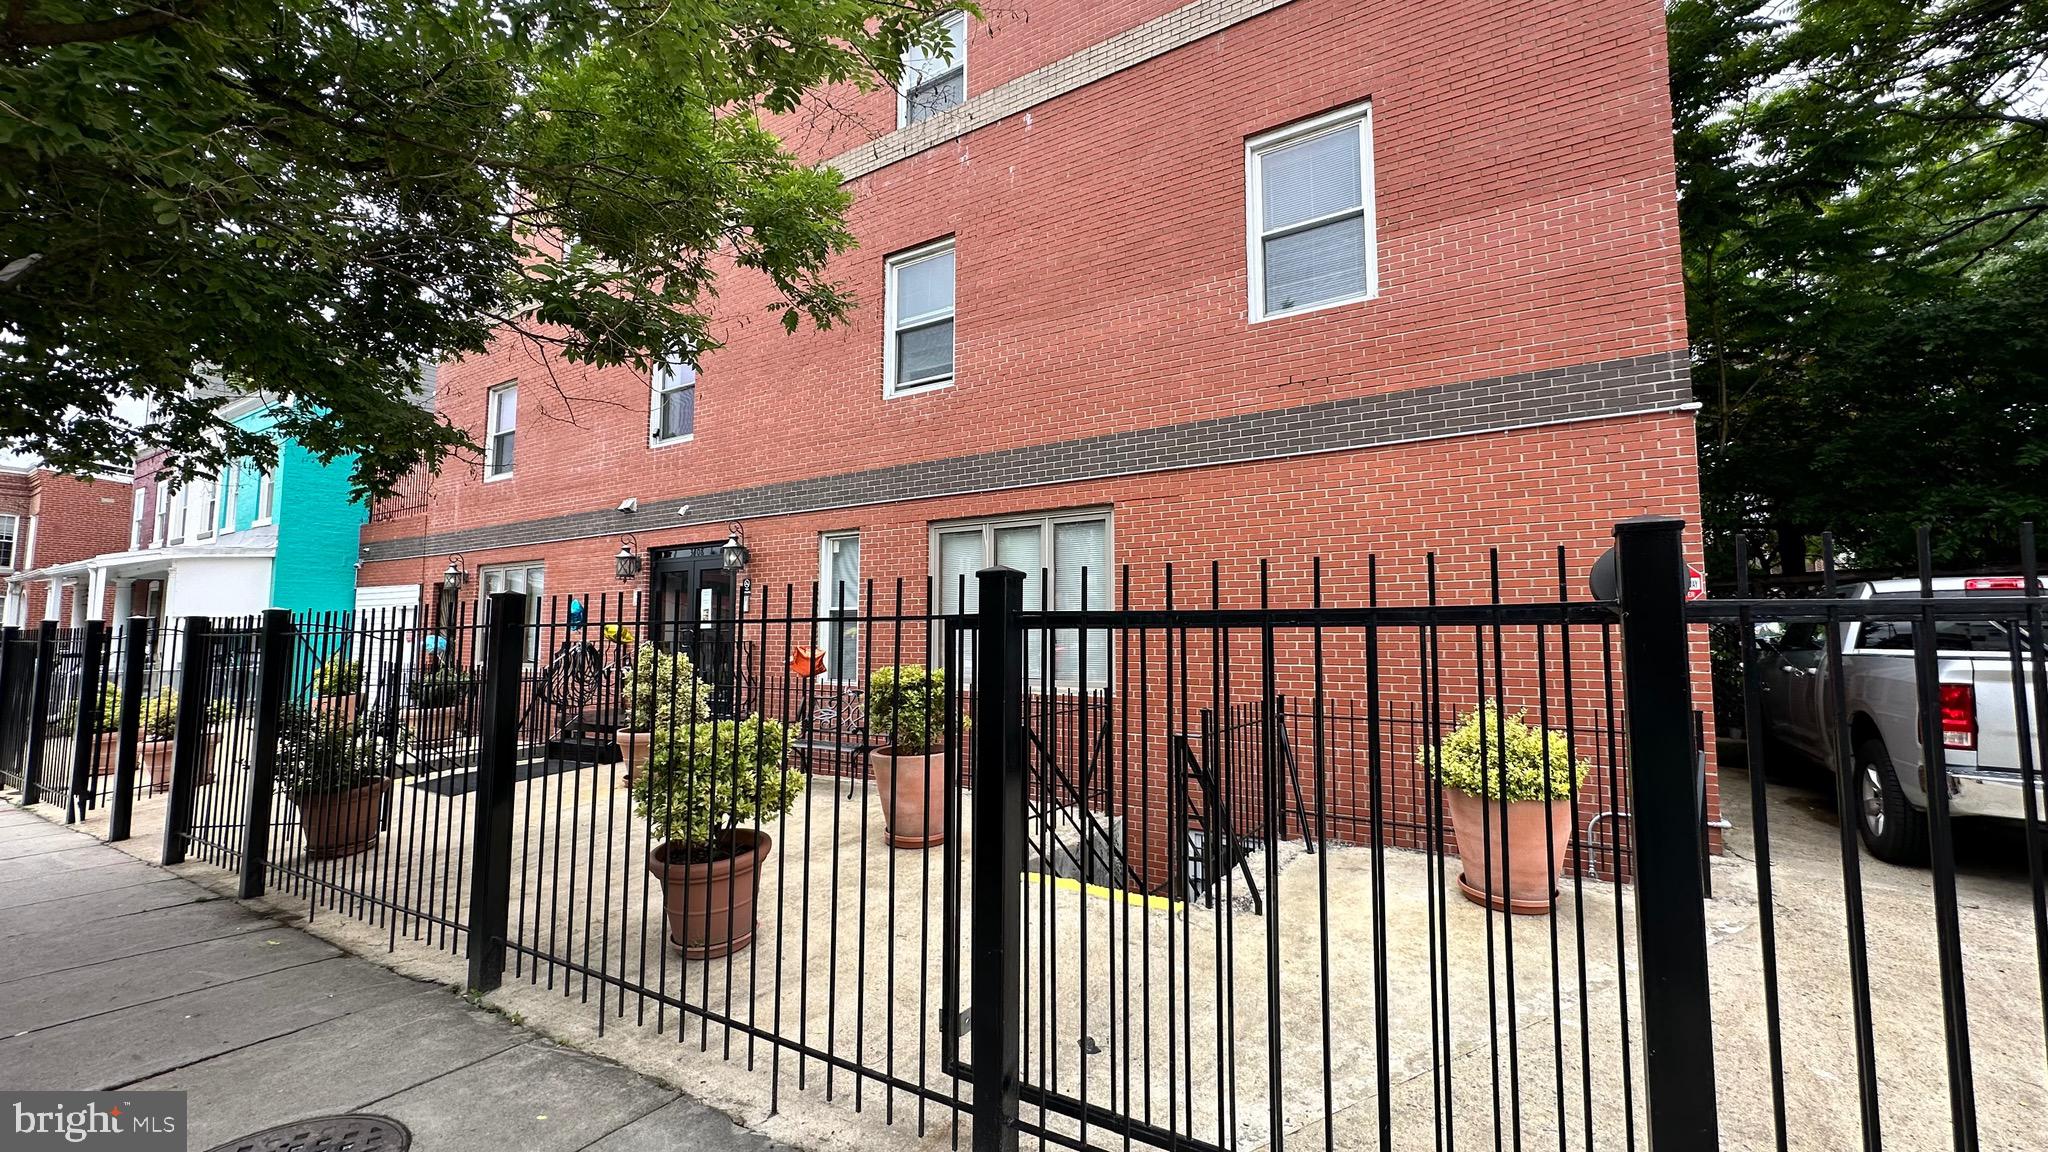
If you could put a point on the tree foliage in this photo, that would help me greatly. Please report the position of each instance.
(315, 197)
(1864, 209)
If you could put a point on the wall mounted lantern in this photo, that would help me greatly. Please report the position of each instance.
(454, 575)
(627, 561)
(735, 551)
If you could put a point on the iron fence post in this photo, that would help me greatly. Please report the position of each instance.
(1671, 922)
(134, 667)
(998, 864)
(85, 734)
(497, 761)
(39, 713)
(193, 673)
(273, 684)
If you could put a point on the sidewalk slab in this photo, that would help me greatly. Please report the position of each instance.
(80, 993)
(122, 936)
(123, 873)
(536, 1098)
(52, 918)
(683, 1124)
(343, 1065)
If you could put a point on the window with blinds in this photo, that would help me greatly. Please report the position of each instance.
(1310, 215)
(675, 402)
(501, 426)
(920, 312)
(1065, 558)
(839, 605)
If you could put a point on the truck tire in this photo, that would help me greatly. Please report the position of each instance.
(1893, 830)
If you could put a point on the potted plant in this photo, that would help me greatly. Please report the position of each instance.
(1491, 757)
(907, 725)
(104, 727)
(706, 789)
(158, 735)
(656, 688)
(335, 684)
(335, 774)
(438, 699)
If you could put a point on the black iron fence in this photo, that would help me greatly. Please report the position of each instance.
(1349, 869)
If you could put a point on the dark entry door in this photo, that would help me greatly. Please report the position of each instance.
(694, 612)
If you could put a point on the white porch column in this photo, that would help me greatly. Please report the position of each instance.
(53, 599)
(124, 604)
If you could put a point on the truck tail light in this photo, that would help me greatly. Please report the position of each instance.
(1994, 584)
(1959, 717)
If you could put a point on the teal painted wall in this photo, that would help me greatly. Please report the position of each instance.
(318, 525)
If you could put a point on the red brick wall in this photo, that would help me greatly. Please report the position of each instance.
(1525, 205)
(76, 518)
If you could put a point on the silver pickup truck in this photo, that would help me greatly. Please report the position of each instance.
(1979, 736)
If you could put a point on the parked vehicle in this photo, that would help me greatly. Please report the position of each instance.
(1980, 739)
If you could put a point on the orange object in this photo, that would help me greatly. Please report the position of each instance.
(804, 663)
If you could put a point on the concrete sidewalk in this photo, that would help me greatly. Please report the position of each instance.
(116, 974)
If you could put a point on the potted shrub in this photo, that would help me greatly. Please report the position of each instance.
(1521, 843)
(907, 726)
(439, 698)
(335, 684)
(335, 775)
(656, 688)
(706, 789)
(157, 732)
(104, 727)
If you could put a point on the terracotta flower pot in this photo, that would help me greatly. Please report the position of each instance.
(437, 723)
(710, 907)
(634, 749)
(1521, 870)
(913, 794)
(341, 708)
(106, 755)
(154, 758)
(340, 823)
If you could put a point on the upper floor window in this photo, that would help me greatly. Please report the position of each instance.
(231, 499)
(934, 81)
(675, 402)
(501, 430)
(920, 318)
(181, 509)
(266, 497)
(10, 535)
(206, 502)
(1309, 188)
(136, 517)
(162, 533)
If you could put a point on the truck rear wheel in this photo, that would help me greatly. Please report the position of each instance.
(1893, 830)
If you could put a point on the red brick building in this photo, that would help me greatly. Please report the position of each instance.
(48, 519)
(1229, 281)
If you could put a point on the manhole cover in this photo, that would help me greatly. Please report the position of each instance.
(327, 1134)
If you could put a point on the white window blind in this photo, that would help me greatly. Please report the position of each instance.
(502, 427)
(1311, 216)
(1072, 549)
(920, 308)
(839, 594)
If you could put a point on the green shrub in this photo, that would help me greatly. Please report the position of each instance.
(159, 717)
(318, 753)
(660, 686)
(907, 709)
(338, 676)
(706, 779)
(1474, 748)
(442, 688)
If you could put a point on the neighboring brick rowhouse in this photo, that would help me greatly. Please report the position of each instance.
(74, 517)
(1519, 379)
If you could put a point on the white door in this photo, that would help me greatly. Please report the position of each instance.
(387, 638)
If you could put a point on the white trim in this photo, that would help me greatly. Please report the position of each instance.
(903, 94)
(1359, 115)
(231, 495)
(160, 515)
(492, 431)
(894, 265)
(209, 508)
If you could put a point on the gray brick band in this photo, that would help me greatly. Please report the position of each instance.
(1653, 383)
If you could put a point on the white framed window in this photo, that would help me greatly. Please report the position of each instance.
(919, 353)
(1309, 218)
(839, 605)
(1071, 549)
(136, 516)
(206, 504)
(10, 540)
(674, 409)
(231, 499)
(266, 498)
(501, 430)
(181, 510)
(934, 81)
(162, 533)
(528, 578)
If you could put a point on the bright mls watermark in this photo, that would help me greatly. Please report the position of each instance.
(114, 1121)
